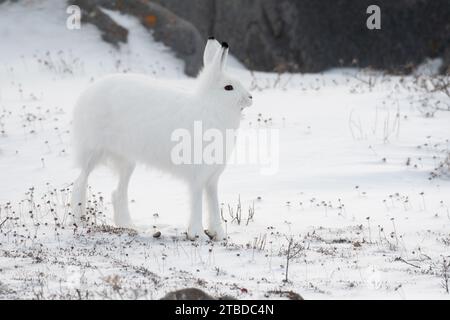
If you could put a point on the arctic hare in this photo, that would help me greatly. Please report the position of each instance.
(125, 119)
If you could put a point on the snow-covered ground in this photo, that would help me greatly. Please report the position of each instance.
(353, 187)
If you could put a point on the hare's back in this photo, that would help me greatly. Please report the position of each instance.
(120, 107)
(132, 94)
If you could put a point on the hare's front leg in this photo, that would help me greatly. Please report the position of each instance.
(120, 196)
(215, 229)
(195, 228)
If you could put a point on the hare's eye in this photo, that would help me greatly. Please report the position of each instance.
(228, 87)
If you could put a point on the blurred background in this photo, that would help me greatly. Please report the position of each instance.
(290, 35)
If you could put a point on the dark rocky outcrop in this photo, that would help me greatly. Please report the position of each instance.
(311, 36)
(297, 35)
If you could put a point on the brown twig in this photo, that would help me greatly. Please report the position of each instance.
(3, 222)
(408, 263)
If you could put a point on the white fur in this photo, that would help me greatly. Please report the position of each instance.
(126, 119)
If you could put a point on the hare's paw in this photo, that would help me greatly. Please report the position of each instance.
(196, 233)
(216, 233)
(123, 222)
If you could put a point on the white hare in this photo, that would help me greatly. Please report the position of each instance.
(126, 119)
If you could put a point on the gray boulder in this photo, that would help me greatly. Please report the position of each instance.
(192, 294)
(167, 27)
(111, 32)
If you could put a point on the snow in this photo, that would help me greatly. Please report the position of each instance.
(371, 226)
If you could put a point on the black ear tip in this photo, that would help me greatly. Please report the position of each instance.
(211, 38)
(224, 45)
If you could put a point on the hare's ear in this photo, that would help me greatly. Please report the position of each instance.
(220, 58)
(212, 46)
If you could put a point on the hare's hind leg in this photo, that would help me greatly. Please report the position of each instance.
(78, 202)
(195, 228)
(215, 229)
(120, 195)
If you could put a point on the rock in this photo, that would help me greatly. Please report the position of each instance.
(167, 27)
(298, 35)
(445, 68)
(198, 12)
(192, 294)
(187, 294)
(111, 31)
(311, 36)
(157, 234)
(291, 295)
